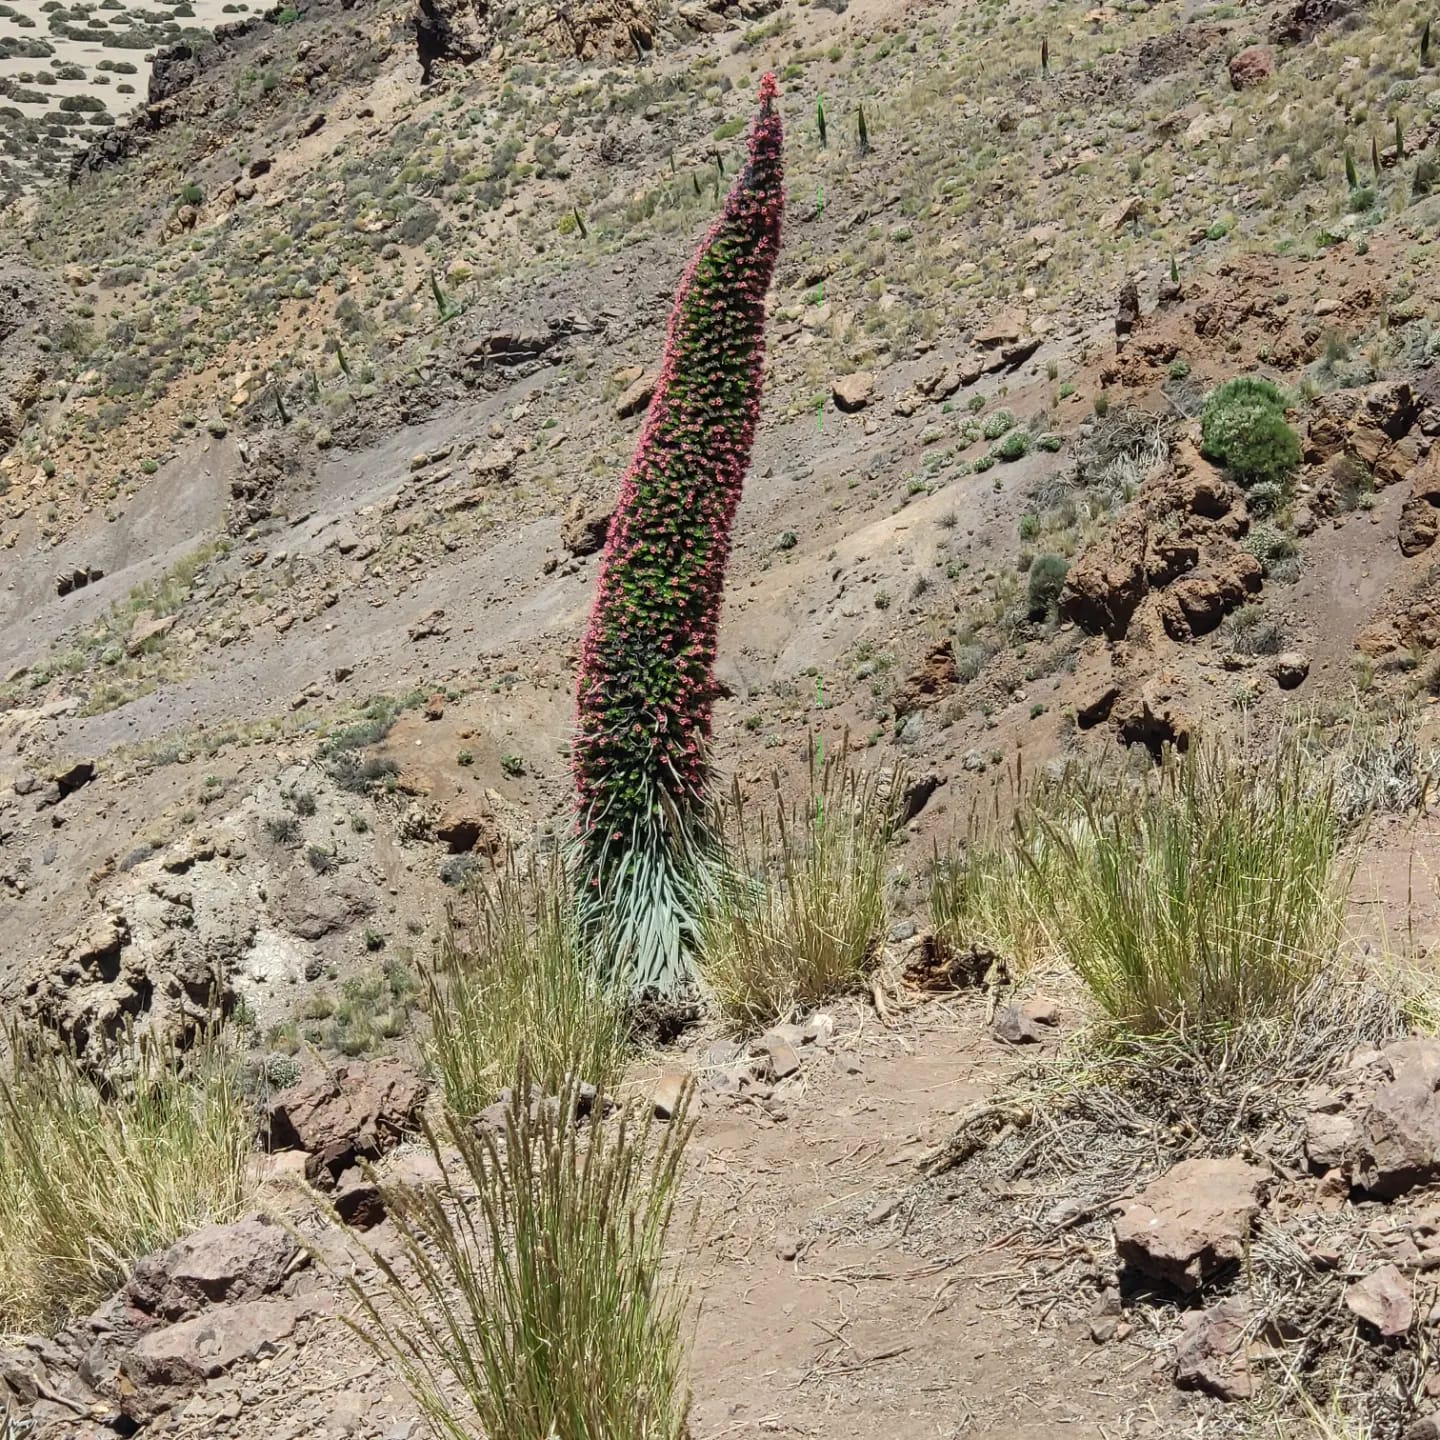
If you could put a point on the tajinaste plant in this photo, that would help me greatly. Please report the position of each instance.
(644, 835)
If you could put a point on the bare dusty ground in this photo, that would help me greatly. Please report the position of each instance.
(821, 1310)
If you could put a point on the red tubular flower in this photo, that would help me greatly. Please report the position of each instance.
(644, 692)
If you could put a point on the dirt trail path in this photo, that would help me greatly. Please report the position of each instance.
(818, 1314)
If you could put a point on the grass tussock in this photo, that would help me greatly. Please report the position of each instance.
(1209, 894)
(797, 910)
(514, 979)
(532, 1300)
(90, 1181)
(1209, 898)
(989, 900)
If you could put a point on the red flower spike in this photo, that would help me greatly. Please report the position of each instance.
(644, 690)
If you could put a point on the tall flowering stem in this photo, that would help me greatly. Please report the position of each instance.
(644, 696)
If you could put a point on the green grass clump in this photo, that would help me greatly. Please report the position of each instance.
(1243, 427)
(1201, 897)
(91, 1181)
(797, 912)
(514, 980)
(1210, 896)
(984, 902)
(535, 1301)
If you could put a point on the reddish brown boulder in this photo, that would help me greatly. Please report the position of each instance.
(1252, 66)
(1154, 718)
(1420, 517)
(1104, 586)
(1191, 1224)
(355, 1112)
(936, 677)
(217, 1264)
(467, 825)
(1210, 1355)
(1196, 604)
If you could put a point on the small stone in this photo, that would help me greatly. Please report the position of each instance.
(819, 1029)
(853, 392)
(848, 1063)
(1211, 1356)
(1041, 1010)
(1110, 1302)
(778, 1053)
(147, 627)
(1191, 1224)
(1383, 1299)
(636, 397)
(882, 1211)
(1103, 1328)
(1290, 669)
(666, 1096)
(359, 1202)
(1016, 1028)
(787, 1247)
(1121, 213)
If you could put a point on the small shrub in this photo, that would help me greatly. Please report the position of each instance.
(1382, 767)
(1243, 427)
(359, 775)
(997, 424)
(1014, 446)
(1425, 178)
(456, 870)
(373, 1006)
(1047, 580)
(1277, 552)
(512, 765)
(321, 861)
(551, 1236)
(282, 829)
(303, 802)
(1252, 632)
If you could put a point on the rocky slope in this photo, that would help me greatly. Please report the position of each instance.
(317, 376)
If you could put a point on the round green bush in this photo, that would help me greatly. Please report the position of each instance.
(1014, 446)
(1243, 427)
(997, 424)
(1047, 579)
